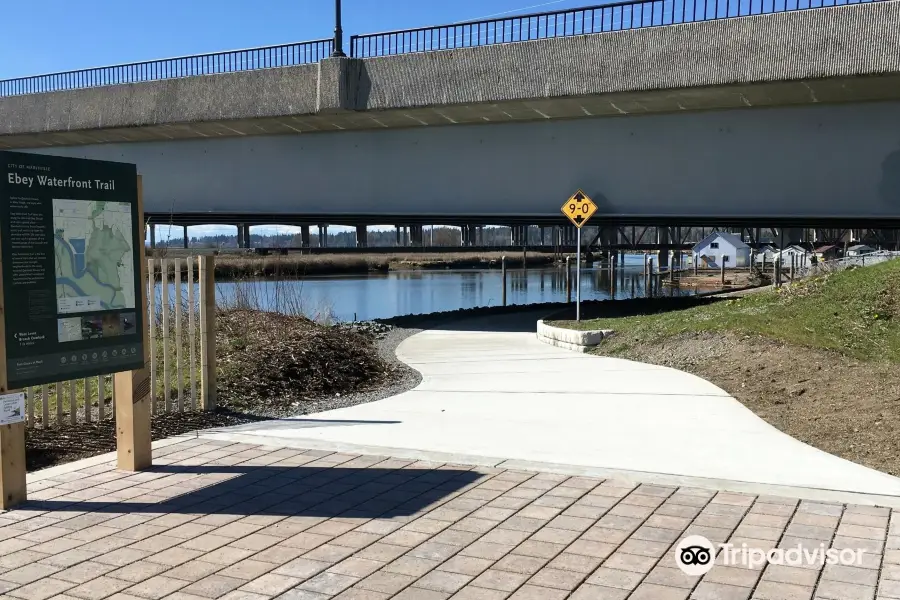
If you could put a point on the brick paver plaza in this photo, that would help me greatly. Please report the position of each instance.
(215, 519)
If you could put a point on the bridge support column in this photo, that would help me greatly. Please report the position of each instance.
(240, 235)
(323, 236)
(415, 235)
(304, 236)
(186, 238)
(247, 242)
(662, 240)
(794, 235)
(468, 233)
(152, 236)
(679, 255)
(362, 236)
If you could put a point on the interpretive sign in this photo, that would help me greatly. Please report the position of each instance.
(12, 408)
(70, 235)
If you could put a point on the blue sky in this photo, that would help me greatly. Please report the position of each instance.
(46, 36)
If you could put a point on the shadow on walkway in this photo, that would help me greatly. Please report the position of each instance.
(523, 321)
(523, 318)
(363, 493)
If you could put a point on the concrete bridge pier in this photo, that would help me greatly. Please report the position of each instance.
(304, 236)
(796, 235)
(240, 235)
(362, 236)
(247, 240)
(790, 235)
(608, 237)
(152, 236)
(186, 238)
(468, 235)
(416, 236)
(519, 235)
(679, 256)
(323, 236)
(662, 240)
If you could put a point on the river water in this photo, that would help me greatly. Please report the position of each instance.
(364, 297)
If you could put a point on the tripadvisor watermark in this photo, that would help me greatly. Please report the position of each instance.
(696, 555)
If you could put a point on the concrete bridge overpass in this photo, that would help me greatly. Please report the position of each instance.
(785, 118)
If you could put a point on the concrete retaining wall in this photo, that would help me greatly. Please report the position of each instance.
(571, 339)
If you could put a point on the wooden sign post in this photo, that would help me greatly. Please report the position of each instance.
(133, 389)
(73, 297)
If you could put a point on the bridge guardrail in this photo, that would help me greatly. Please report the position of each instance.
(231, 61)
(617, 16)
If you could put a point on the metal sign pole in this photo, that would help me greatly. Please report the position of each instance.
(578, 276)
(579, 208)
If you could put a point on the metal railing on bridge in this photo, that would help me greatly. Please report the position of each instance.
(633, 14)
(616, 16)
(249, 59)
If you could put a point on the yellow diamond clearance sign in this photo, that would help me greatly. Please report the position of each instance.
(579, 208)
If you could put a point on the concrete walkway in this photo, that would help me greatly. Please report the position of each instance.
(492, 393)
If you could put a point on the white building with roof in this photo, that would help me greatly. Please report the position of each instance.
(792, 252)
(721, 248)
(859, 250)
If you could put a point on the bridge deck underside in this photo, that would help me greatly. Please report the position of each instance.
(804, 166)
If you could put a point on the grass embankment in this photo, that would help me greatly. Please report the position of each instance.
(817, 359)
(238, 266)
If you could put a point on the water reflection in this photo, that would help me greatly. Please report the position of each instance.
(416, 292)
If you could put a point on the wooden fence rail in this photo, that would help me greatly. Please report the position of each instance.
(180, 310)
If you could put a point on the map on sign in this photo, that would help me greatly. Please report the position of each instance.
(579, 208)
(94, 255)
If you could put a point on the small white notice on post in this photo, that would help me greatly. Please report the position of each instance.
(12, 408)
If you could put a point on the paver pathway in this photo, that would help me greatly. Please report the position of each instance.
(491, 390)
(215, 519)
